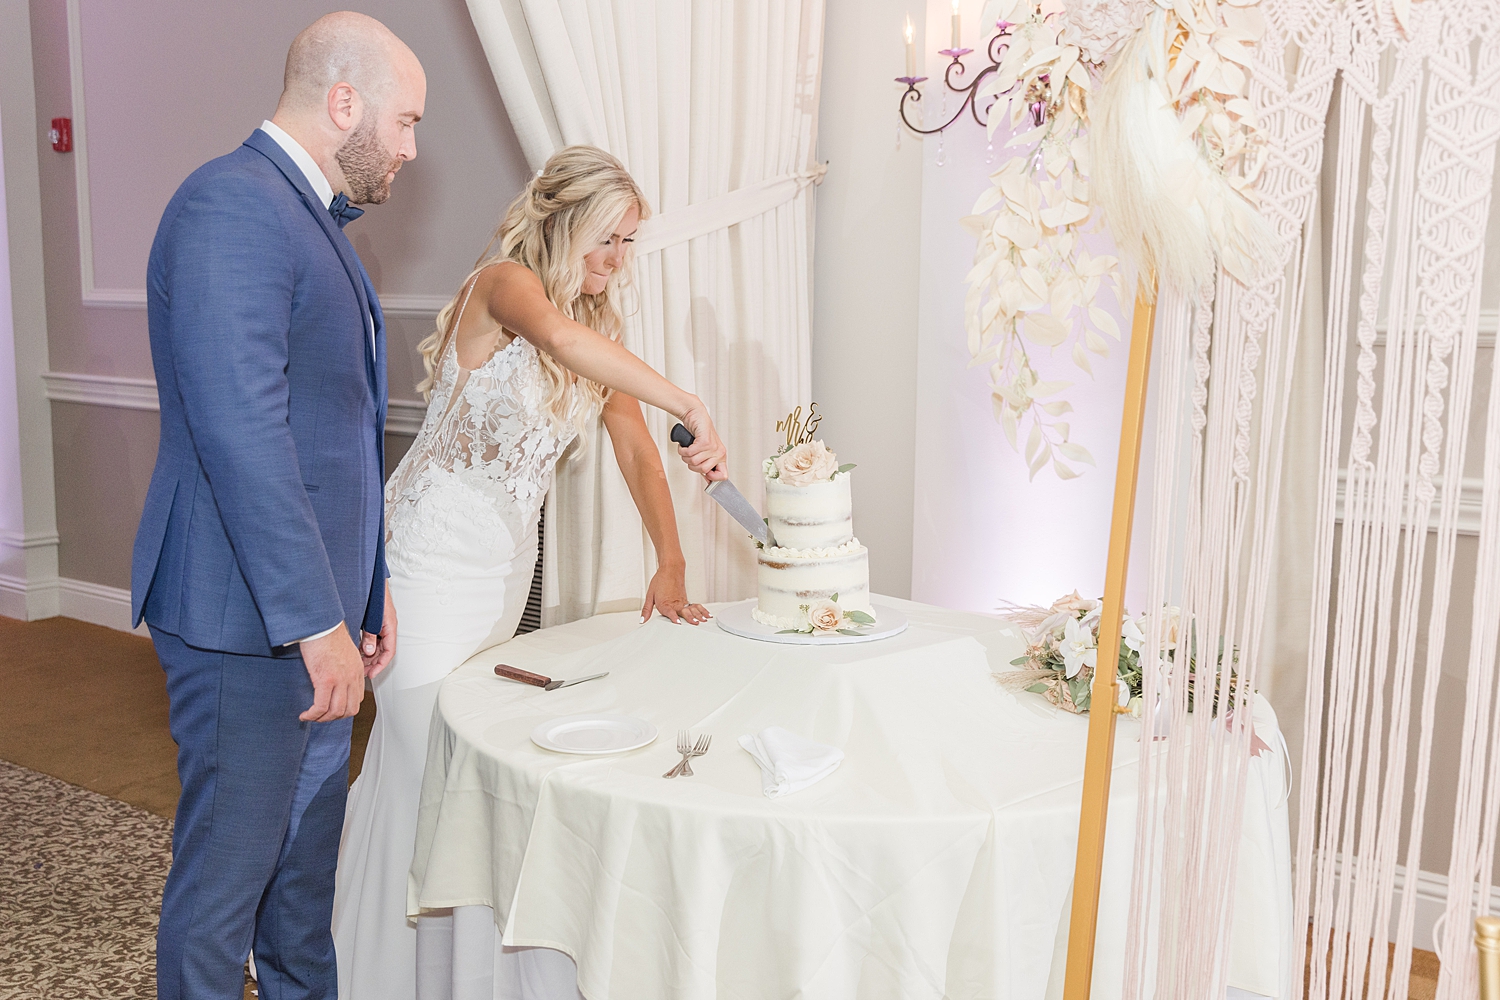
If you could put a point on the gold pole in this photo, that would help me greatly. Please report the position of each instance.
(1487, 940)
(1099, 757)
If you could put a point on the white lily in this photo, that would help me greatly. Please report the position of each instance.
(1130, 632)
(1077, 648)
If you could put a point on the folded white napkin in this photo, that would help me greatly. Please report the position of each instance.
(788, 762)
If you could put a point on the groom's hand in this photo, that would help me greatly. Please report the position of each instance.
(377, 650)
(338, 676)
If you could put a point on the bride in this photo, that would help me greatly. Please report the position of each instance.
(522, 358)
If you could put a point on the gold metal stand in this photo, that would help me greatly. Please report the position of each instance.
(1487, 940)
(1099, 758)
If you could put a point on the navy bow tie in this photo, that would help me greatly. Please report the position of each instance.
(343, 213)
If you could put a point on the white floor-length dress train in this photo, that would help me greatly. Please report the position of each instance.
(461, 519)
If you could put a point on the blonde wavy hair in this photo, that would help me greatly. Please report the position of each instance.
(570, 207)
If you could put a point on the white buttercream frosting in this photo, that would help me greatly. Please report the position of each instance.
(831, 552)
(816, 554)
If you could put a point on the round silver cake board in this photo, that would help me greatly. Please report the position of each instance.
(737, 620)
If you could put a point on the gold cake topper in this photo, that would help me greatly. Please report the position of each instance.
(800, 430)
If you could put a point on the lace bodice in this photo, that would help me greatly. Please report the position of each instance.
(487, 449)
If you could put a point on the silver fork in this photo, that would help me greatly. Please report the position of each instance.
(699, 749)
(684, 747)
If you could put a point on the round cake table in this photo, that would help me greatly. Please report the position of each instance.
(937, 861)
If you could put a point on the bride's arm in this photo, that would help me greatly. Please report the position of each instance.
(518, 302)
(639, 461)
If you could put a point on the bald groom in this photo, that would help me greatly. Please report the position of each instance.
(259, 563)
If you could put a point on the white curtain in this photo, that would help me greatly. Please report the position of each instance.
(712, 105)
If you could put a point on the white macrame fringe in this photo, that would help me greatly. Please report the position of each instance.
(1407, 165)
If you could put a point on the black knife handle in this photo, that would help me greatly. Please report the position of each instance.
(682, 435)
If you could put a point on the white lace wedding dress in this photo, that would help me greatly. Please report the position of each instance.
(461, 521)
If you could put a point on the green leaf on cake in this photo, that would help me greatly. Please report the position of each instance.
(861, 617)
(843, 468)
(847, 631)
(834, 598)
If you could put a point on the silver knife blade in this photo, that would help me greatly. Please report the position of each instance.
(554, 685)
(727, 496)
(736, 506)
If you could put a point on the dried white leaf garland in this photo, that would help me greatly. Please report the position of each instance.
(1035, 284)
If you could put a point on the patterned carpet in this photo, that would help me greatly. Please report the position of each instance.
(81, 878)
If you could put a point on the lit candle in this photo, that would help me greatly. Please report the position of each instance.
(957, 29)
(911, 50)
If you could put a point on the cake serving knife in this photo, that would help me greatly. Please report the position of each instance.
(537, 680)
(731, 499)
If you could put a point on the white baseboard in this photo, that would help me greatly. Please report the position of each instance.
(1432, 899)
(88, 602)
(96, 604)
(28, 602)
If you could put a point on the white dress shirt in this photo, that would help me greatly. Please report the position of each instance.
(323, 190)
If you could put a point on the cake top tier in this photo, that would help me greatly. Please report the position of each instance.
(804, 465)
(808, 504)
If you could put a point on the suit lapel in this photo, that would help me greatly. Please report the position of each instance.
(268, 147)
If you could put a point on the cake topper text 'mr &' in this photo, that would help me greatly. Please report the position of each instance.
(800, 430)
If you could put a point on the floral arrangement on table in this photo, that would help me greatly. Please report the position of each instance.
(1139, 108)
(1062, 653)
(825, 617)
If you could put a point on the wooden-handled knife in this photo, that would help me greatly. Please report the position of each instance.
(537, 680)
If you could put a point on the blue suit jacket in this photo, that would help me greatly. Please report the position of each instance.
(264, 520)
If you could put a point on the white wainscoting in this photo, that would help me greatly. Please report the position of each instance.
(94, 602)
(404, 416)
(29, 600)
(1470, 494)
(17, 599)
(414, 306)
(87, 602)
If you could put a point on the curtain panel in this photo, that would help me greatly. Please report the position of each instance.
(712, 106)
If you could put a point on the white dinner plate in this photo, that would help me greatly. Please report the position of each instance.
(593, 734)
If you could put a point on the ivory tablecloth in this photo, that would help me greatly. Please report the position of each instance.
(937, 861)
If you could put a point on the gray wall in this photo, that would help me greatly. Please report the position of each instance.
(865, 270)
(169, 84)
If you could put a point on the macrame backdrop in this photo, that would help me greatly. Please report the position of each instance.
(712, 106)
(1380, 186)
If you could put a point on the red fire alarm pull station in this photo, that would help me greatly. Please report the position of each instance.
(62, 135)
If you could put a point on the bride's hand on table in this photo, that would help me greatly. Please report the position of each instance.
(668, 594)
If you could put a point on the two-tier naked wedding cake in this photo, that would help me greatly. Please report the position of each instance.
(817, 575)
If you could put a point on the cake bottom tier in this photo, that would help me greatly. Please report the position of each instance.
(790, 578)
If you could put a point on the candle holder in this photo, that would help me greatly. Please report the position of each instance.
(954, 75)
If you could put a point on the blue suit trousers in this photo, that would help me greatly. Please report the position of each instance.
(258, 826)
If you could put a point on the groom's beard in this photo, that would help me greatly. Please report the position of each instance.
(366, 164)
